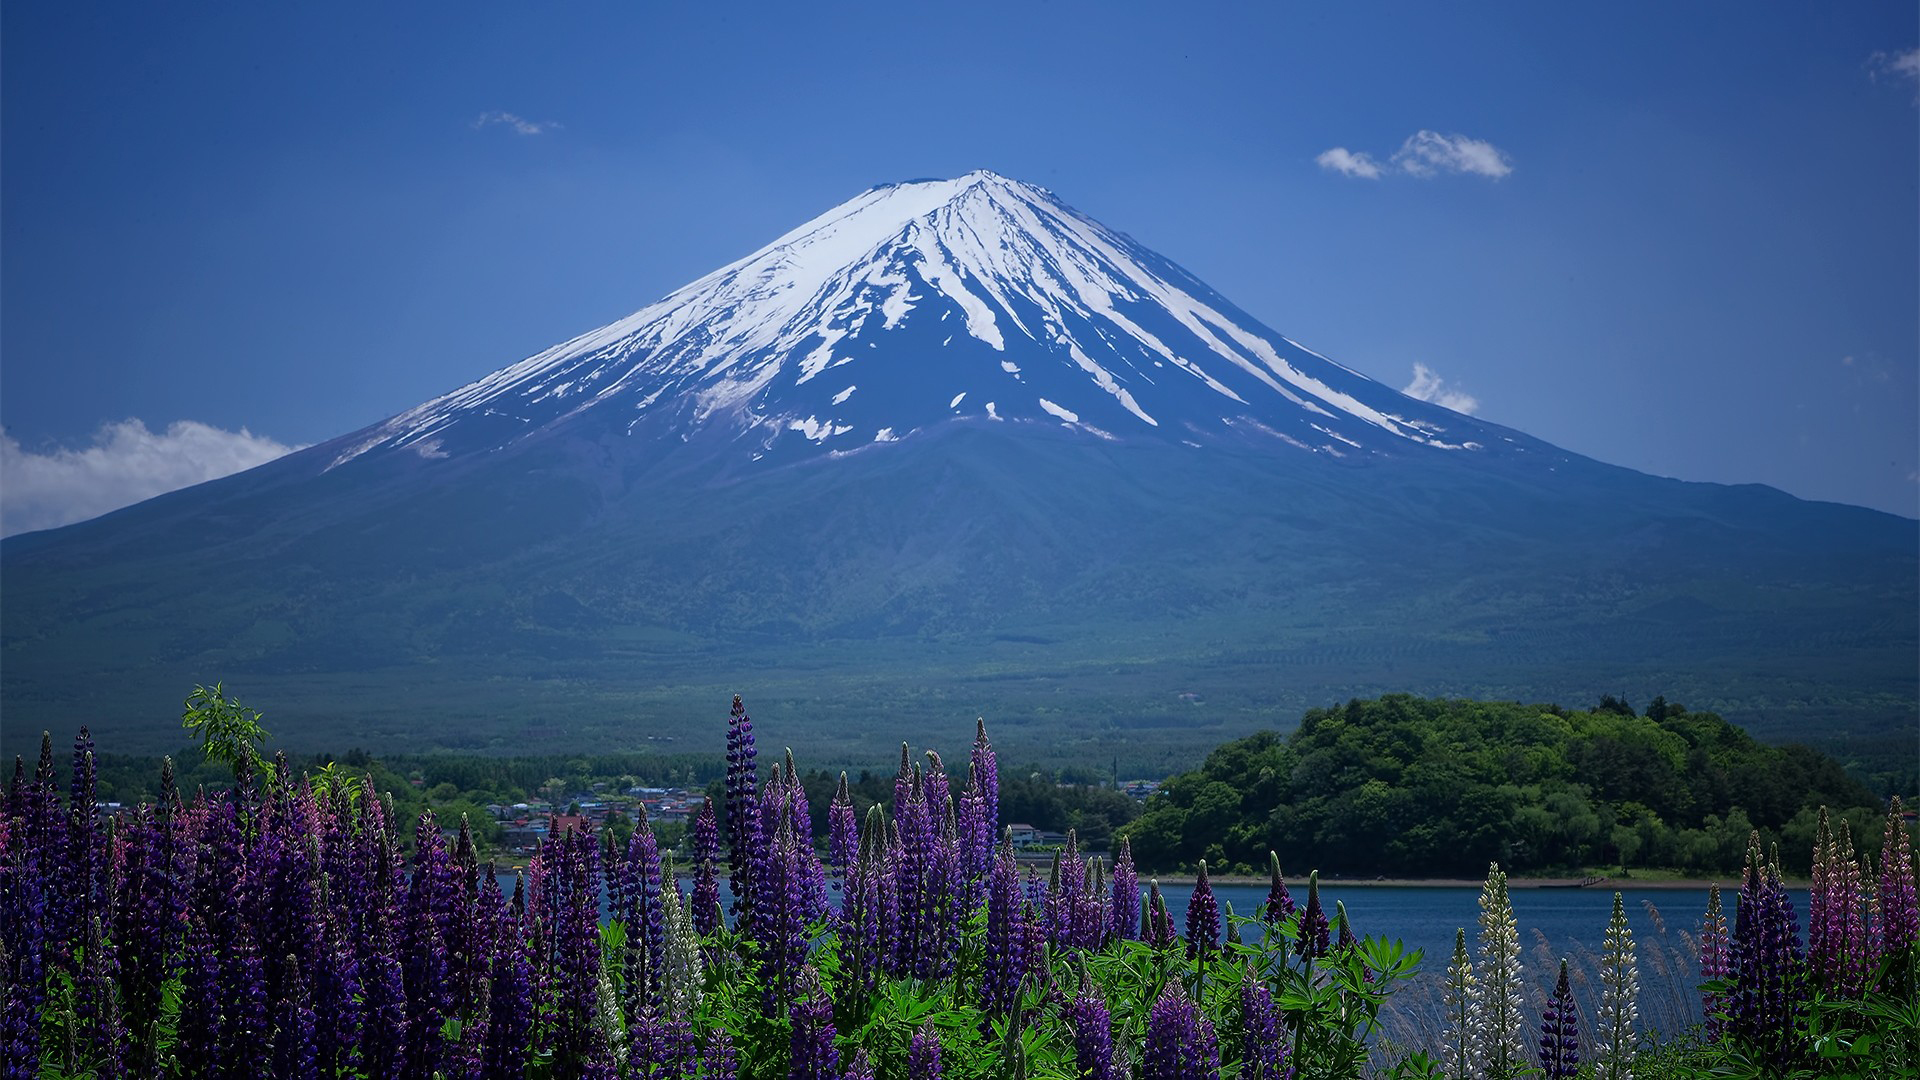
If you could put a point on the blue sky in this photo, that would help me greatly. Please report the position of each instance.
(1681, 238)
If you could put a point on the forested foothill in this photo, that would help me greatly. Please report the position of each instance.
(1413, 787)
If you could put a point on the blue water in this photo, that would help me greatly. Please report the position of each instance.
(1554, 924)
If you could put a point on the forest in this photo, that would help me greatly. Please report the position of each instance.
(1412, 787)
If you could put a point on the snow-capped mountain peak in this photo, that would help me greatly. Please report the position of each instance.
(978, 299)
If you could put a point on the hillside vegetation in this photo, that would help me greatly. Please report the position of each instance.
(1410, 786)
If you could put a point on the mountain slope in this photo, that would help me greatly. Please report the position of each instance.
(950, 449)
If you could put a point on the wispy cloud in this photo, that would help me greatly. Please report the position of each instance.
(1427, 385)
(1347, 163)
(1428, 152)
(1897, 67)
(1424, 153)
(126, 464)
(520, 125)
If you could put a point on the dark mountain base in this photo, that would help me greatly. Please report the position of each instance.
(1093, 600)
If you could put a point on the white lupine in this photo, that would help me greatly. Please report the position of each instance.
(606, 1017)
(684, 971)
(1461, 1038)
(1619, 1000)
(1498, 1018)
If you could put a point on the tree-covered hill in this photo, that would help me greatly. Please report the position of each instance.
(1410, 786)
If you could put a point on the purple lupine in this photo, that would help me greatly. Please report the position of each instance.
(1157, 928)
(706, 886)
(1899, 922)
(645, 918)
(719, 1060)
(1823, 958)
(247, 1047)
(81, 874)
(511, 1003)
(1714, 962)
(1312, 942)
(918, 890)
(861, 1067)
(947, 886)
(843, 836)
(1180, 1043)
(1767, 1002)
(935, 789)
(23, 902)
(1091, 1025)
(662, 1047)
(814, 1056)
(1263, 1041)
(377, 953)
(295, 1056)
(743, 812)
(1560, 1033)
(423, 957)
(1123, 921)
(197, 1033)
(985, 771)
(1279, 903)
(102, 1034)
(974, 834)
(1006, 933)
(579, 1044)
(781, 911)
(923, 1054)
(1846, 955)
(864, 940)
(1203, 918)
(148, 924)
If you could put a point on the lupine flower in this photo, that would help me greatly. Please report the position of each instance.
(718, 1058)
(843, 834)
(923, 1054)
(1312, 942)
(1615, 1037)
(510, 1003)
(1091, 1025)
(1769, 972)
(295, 1056)
(1157, 927)
(430, 902)
(1279, 903)
(1560, 1033)
(814, 1055)
(102, 1035)
(1006, 933)
(986, 775)
(706, 886)
(861, 1067)
(1496, 1003)
(974, 834)
(1263, 1041)
(1899, 910)
(1180, 1044)
(1460, 1044)
(1203, 918)
(1344, 940)
(1714, 962)
(644, 916)
(743, 811)
(1124, 917)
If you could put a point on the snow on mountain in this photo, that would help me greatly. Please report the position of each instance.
(932, 302)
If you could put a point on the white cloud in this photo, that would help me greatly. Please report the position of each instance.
(1424, 153)
(1347, 163)
(126, 464)
(1897, 67)
(519, 124)
(1428, 152)
(1427, 385)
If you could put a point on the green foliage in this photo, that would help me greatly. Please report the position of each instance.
(228, 731)
(1412, 786)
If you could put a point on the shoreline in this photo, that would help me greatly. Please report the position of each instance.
(1605, 884)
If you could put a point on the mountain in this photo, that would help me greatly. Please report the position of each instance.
(951, 448)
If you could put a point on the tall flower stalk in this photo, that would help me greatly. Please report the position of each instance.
(1460, 1039)
(1497, 1019)
(1615, 1037)
(1560, 1033)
